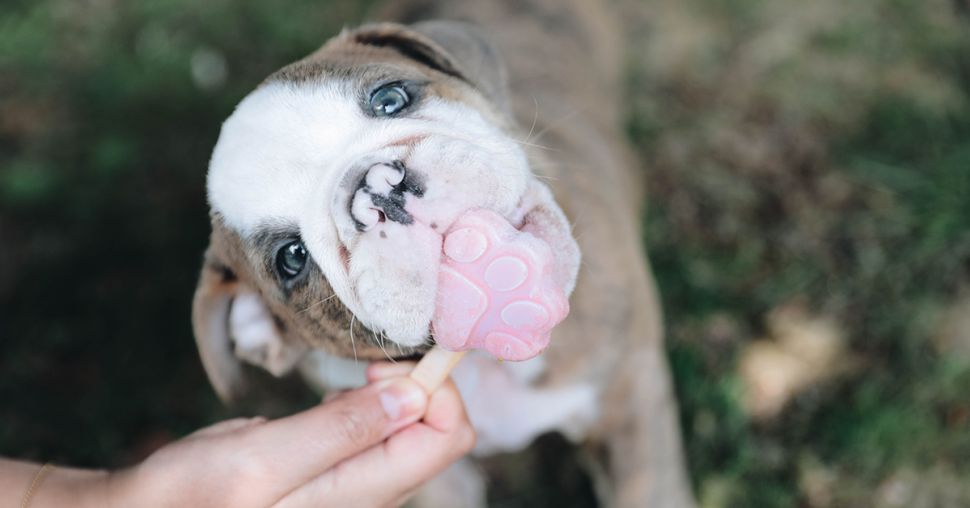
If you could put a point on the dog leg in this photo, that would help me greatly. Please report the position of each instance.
(643, 441)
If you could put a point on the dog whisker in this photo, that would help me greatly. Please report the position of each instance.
(384, 338)
(535, 118)
(544, 177)
(352, 343)
(533, 145)
(565, 117)
(321, 302)
(381, 344)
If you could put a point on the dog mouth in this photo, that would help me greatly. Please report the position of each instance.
(391, 210)
(521, 219)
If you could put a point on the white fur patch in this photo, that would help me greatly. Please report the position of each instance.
(255, 336)
(326, 372)
(508, 413)
(391, 273)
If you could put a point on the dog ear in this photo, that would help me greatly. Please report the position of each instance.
(456, 48)
(233, 324)
(214, 294)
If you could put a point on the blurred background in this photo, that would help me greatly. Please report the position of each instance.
(808, 224)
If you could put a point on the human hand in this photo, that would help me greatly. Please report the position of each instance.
(372, 446)
(364, 447)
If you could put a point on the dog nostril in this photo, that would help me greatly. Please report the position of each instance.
(382, 178)
(364, 214)
(381, 194)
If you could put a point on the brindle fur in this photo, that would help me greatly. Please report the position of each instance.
(564, 60)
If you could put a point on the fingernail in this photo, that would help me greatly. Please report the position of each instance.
(403, 399)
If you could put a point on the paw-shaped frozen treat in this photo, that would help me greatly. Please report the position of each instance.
(496, 289)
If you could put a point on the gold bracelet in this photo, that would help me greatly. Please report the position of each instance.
(35, 483)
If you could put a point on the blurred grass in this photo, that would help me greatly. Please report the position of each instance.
(817, 152)
(108, 114)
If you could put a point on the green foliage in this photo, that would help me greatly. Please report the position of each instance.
(833, 168)
(795, 150)
(108, 113)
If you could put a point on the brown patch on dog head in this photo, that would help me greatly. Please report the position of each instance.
(409, 44)
(455, 60)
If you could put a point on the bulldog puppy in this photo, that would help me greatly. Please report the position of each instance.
(332, 183)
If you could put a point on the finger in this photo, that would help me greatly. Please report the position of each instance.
(403, 498)
(405, 461)
(446, 410)
(332, 394)
(295, 449)
(227, 426)
(383, 370)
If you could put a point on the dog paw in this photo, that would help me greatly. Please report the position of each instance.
(496, 289)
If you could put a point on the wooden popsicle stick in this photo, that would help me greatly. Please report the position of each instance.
(433, 369)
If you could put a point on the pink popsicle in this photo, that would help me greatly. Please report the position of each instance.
(495, 289)
(495, 292)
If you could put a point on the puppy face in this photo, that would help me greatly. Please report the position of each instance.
(332, 183)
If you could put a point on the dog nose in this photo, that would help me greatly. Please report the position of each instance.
(381, 196)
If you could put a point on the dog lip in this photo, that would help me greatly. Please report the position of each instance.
(415, 353)
(344, 256)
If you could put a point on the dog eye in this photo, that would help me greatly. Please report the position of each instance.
(389, 100)
(291, 259)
